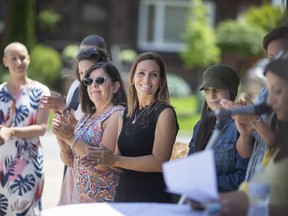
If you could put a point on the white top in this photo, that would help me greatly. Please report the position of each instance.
(71, 91)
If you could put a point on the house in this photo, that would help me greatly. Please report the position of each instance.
(140, 25)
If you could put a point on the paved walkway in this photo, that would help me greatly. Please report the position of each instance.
(53, 168)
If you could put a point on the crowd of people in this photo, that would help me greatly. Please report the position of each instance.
(114, 143)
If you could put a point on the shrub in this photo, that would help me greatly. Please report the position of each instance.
(69, 54)
(177, 86)
(240, 38)
(45, 65)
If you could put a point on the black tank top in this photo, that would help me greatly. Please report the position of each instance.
(137, 139)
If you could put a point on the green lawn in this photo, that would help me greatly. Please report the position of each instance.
(187, 111)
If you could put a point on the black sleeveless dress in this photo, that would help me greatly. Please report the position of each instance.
(136, 139)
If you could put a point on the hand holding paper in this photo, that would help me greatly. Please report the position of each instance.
(194, 177)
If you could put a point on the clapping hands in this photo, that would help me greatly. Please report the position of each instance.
(55, 102)
(63, 127)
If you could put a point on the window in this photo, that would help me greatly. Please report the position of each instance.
(162, 22)
(281, 3)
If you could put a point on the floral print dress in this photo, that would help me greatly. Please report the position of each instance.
(94, 184)
(21, 160)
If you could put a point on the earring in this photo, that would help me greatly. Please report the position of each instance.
(133, 83)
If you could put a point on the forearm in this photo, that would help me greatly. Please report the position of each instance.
(244, 145)
(66, 157)
(146, 163)
(266, 133)
(29, 131)
(78, 145)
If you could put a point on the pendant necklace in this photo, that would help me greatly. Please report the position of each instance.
(137, 115)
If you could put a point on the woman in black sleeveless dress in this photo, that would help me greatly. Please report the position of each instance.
(147, 133)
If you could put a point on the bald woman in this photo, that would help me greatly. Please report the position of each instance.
(22, 121)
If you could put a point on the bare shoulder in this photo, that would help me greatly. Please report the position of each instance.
(168, 112)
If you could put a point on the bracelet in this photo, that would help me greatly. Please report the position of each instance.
(256, 123)
(73, 143)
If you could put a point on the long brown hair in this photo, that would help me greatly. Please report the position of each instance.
(279, 68)
(162, 95)
(206, 126)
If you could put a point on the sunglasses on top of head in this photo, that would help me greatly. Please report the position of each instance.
(86, 53)
(89, 81)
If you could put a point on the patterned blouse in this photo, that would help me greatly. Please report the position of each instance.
(92, 184)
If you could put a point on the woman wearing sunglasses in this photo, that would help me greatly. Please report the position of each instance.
(84, 60)
(148, 131)
(102, 97)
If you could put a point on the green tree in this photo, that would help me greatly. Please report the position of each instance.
(49, 19)
(200, 49)
(20, 24)
(266, 16)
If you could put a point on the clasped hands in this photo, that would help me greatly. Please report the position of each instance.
(98, 156)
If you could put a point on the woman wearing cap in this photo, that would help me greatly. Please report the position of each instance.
(220, 82)
(275, 161)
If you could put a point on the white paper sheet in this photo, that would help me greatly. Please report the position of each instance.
(194, 177)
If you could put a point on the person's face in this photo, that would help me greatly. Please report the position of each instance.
(17, 60)
(83, 66)
(213, 97)
(147, 78)
(277, 96)
(101, 93)
(275, 46)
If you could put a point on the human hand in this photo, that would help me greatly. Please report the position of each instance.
(70, 118)
(98, 155)
(55, 102)
(6, 133)
(195, 204)
(241, 119)
(62, 129)
(233, 203)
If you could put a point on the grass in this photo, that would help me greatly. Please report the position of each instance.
(51, 116)
(187, 112)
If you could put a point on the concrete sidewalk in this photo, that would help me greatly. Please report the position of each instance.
(53, 168)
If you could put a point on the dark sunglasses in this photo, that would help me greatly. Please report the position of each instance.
(99, 80)
(87, 53)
